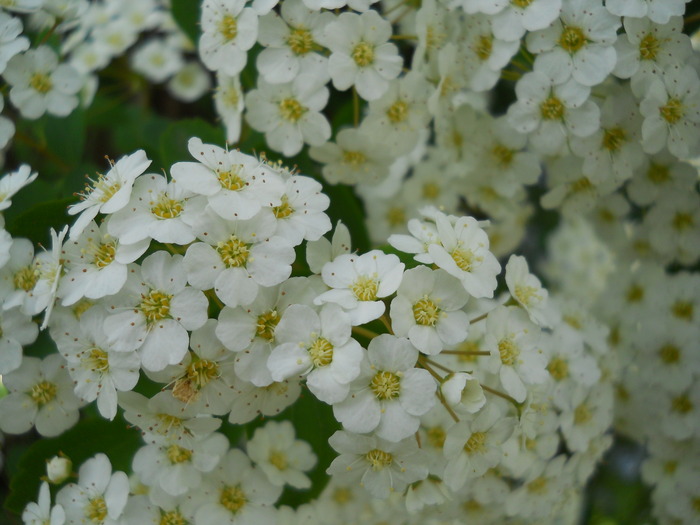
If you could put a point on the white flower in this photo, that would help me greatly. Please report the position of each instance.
(580, 43)
(361, 54)
(16, 330)
(301, 214)
(318, 346)
(527, 290)
(12, 182)
(96, 264)
(40, 84)
(236, 185)
(389, 395)
(154, 311)
(49, 268)
(229, 30)
(319, 252)
(290, 113)
(11, 43)
(100, 494)
(41, 395)
(252, 401)
(190, 82)
(427, 310)
(41, 512)
(658, 11)
(110, 192)
(282, 458)
(58, 469)
(671, 110)
(228, 101)
(463, 393)
(156, 60)
(380, 466)
(359, 282)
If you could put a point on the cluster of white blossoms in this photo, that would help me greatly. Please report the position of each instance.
(438, 387)
(461, 390)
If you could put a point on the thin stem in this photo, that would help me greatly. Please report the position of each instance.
(690, 19)
(423, 362)
(418, 440)
(480, 318)
(464, 352)
(404, 37)
(438, 365)
(364, 332)
(212, 295)
(48, 33)
(510, 75)
(502, 395)
(387, 323)
(447, 407)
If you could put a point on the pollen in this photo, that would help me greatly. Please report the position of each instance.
(104, 254)
(228, 27)
(41, 82)
(266, 324)
(673, 111)
(232, 499)
(284, 210)
(172, 518)
(177, 454)
(155, 306)
(397, 112)
(386, 385)
(363, 54)
(166, 422)
(508, 351)
(300, 41)
(527, 295)
(278, 460)
(379, 459)
(201, 372)
(426, 312)
(167, 208)
(26, 278)
(234, 252)
(483, 46)
(231, 179)
(475, 444)
(43, 393)
(354, 158)
(365, 288)
(572, 39)
(321, 352)
(614, 138)
(291, 110)
(97, 360)
(558, 369)
(552, 108)
(463, 259)
(96, 510)
(649, 47)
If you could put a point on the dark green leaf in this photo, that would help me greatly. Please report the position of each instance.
(35, 222)
(186, 14)
(84, 440)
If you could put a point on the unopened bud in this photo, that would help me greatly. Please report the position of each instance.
(58, 469)
(463, 393)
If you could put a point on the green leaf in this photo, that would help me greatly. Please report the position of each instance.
(173, 143)
(35, 222)
(84, 440)
(186, 14)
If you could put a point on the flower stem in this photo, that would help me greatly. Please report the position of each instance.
(355, 107)
(464, 352)
(364, 332)
(504, 396)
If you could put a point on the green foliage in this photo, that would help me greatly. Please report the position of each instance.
(186, 14)
(34, 223)
(84, 440)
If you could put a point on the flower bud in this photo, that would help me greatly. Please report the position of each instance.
(463, 393)
(58, 469)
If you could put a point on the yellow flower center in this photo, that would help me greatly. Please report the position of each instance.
(508, 351)
(300, 41)
(167, 208)
(178, 454)
(278, 460)
(41, 82)
(321, 352)
(581, 185)
(658, 174)
(379, 459)
(681, 404)
(291, 110)
(635, 294)
(683, 310)
(365, 288)
(537, 485)
(430, 191)
(552, 108)
(670, 354)
(614, 138)
(673, 111)
(232, 499)
(426, 312)
(172, 518)
(436, 436)
(166, 423)
(42, 393)
(682, 221)
(582, 414)
(354, 158)
(397, 112)
(96, 510)
(106, 189)
(558, 368)
(26, 278)
(363, 54)
(502, 154)
(463, 258)
(231, 179)
(284, 210)
(104, 254)
(228, 27)
(386, 385)
(234, 252)
(483, 46)
(266, 324)
(521, 3)
(342, 495)
(572, 39)
(475, 444)
(649, 47)
(155, 306)
(395, 216)
(97, 360)
(527, 295)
